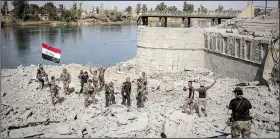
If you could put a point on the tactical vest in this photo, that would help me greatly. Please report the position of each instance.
(202, 92)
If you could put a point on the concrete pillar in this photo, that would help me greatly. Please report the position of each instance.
(212, 22)
(189, 21)
(143, 20)
(183, 21)
(160, 24)
(165, 21)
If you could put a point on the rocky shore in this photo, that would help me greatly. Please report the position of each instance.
(27, 112)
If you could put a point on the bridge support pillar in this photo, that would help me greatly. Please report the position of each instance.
(183, 21)
(189, 21)
(165, 21)
(212, 22)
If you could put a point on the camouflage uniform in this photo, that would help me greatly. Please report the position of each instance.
(109, 94)
(95, 79)
(54, 90)
(84, 79)
(89, 92)
(101, 76)
(126, 91)
(41, 76)
(140, 91)
(243, 127)
(145, 89)
(66, 78)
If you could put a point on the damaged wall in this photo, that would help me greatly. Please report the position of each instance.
(169, 49)
(235, 56)
(176, 49)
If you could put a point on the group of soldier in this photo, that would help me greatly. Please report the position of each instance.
(90, 87)
(239, 108)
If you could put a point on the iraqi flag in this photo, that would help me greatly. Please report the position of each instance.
(50, 53)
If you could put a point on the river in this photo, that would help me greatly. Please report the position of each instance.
(106, 44)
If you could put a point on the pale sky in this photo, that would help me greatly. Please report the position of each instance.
(211, 5)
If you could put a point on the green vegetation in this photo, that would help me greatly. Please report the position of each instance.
(24, 13)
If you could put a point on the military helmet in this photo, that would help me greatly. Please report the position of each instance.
(89, 80)
(64, 69)
(238, 91)
(52, 78)
(86, 72)
(111, 84)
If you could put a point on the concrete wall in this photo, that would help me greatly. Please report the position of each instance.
(177, 49)
(235, 56)
(169, 49)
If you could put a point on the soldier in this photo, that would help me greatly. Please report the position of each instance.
(95, 78)
(41, 76)
(126, 91)
(189, 99)
(144, 77)
(54, 90)
(84, 79)
(109, 94)
(241, 110)
(202, 102)
(66, 78)
(101, 76)
(81, 74)
(140, 90)
(89, 92)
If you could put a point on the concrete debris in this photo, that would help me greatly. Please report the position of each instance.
(27, 112)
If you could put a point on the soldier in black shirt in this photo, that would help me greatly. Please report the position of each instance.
(189, 99)
(240, 109)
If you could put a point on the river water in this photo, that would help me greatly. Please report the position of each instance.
(107, 44)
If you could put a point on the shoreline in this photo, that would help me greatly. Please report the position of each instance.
(62, 23)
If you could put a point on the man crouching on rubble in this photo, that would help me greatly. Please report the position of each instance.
(240, 109)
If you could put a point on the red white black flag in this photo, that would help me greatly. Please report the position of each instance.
(50, 53)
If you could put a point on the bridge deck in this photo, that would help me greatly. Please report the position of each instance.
(209, 14)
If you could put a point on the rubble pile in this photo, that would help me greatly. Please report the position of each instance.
(27, 112)
(260, 26)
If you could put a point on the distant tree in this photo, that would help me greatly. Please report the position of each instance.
(203, 9)
(172, 8)
(138, 8)
(220, 8)
(50, 9)
(161, 7)
(144, 8)
(4, 9)
(19, 8)
(129, 9)
(79, 10)
(93, 8)
(34, 9)
(151, 9)
(97, 10)
(188, 7)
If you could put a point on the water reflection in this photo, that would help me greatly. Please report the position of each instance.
(22, 39)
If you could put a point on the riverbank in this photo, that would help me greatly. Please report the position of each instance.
(27, 112)
(61, 23)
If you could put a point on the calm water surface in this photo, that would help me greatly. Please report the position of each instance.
(80, 44)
